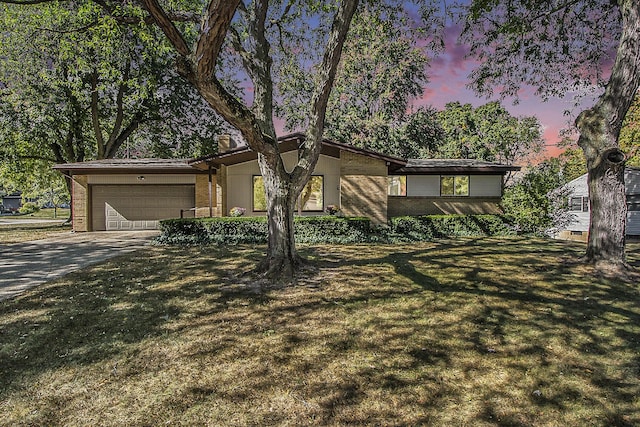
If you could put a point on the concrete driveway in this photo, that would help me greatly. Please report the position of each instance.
(25, 265)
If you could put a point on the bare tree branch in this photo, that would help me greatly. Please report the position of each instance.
(215, 24)
(167, 26)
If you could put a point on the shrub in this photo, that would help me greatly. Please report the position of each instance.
(429, 227)
(231, 230)
(29, 208)
(334, 229)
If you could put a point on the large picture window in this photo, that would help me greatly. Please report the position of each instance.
(311, 198)
(454, 185)
(397, 186)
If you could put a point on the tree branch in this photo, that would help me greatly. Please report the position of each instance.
(167, 26)
(215, 24)
(328, 70)
(95, 115)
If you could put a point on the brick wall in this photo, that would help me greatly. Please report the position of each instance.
(363, 187)
(80, 207)
(401, 206)
(202, 196)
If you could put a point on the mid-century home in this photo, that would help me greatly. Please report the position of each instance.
(134, 194)
(578, 194)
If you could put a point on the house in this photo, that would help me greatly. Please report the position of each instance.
(12, 202)
(137, 193)
(578, 198)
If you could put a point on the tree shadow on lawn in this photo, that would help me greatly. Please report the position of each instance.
(425, 321)
(538, 288)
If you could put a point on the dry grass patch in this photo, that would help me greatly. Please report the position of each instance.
(17, 233)
(462, 332)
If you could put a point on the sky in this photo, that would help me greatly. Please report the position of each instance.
(448, 78)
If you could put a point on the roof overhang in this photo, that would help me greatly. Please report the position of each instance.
(128, 166)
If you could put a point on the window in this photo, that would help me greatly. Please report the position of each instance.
(454, 185)
(579, 204)
(633, 202)
(259, 196)
(397, 186)
(311, 198)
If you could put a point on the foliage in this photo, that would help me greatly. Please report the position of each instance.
(230, 230)
(630, 134)
(555, 47)
(489, 133)
(80, 84)
(536, 202)
(430, 227)
(29, 207)
(334, 229)
(382, 70)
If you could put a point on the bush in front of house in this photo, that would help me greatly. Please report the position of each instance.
(334, 229)
(430, 227)
(234, 230)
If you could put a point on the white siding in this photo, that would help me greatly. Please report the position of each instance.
(579, 188)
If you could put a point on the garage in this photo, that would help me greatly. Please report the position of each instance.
(138, 207)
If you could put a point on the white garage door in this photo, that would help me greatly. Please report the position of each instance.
(137, 207)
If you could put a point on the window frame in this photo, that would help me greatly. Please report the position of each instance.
(253, 200)
(390, 178)
(455, 177)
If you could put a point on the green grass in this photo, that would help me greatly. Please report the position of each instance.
(469, 332)
(42, 214)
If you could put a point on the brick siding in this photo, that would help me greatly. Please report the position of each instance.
(80, 188)
(363, 187)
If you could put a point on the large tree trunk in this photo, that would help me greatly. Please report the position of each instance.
(282, 258)
(599, 130)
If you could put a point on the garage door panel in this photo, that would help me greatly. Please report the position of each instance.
(138, 207)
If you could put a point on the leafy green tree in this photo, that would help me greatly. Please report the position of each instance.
(489, 133)
(560, 47)
(536, 202)
(630, 134)
(79, 84)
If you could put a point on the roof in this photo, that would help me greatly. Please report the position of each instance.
(127, 166)
(421, 166)
(289, 143)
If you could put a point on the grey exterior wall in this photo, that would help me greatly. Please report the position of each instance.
(579, 188)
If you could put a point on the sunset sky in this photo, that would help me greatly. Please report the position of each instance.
(448, 76)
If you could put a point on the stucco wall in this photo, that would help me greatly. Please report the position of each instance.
(239, 182)
(363, 185)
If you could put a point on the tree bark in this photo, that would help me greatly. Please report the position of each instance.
(599, 130)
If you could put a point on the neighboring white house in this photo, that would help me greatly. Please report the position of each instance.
(579, 205)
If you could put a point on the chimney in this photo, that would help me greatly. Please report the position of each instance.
(226, 143)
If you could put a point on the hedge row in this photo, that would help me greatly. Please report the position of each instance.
(333, 229)
(429, 227)
(230, 230)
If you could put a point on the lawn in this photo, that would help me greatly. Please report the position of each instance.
(48, 213)
(15, 233)
(468, 332)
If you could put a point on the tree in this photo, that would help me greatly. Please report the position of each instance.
(489, 133)
(382, 70)
(561, 46)
(630, 134)
(249, 38)
(78, 84)
(537, 202)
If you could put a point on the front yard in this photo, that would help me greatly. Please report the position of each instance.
(473, 332)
